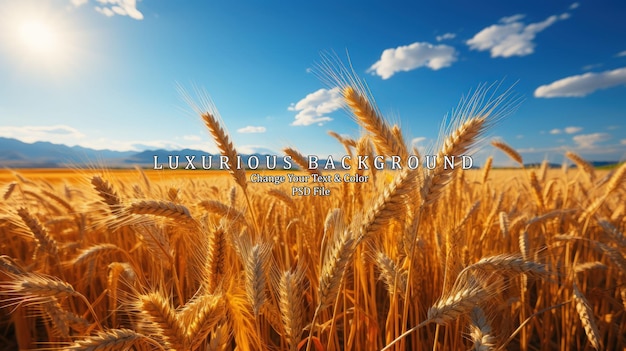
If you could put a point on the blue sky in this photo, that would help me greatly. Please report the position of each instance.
(104, 73)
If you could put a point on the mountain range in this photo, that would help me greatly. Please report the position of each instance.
(42, 154)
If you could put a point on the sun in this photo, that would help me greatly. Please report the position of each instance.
(38, 36)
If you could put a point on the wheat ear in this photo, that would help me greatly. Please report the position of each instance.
(336, 259)
(111, 340)
(200, 316)
(95, 252)
(613, 232)
(10, 188)
(456, 144)
(160, 318)
(507, 264)
(216, 259)
(388, 204)
(368, 116)
(480, 331)
(583, 165)
(282, 196)
(57, 316)
(486, 169)
(291, 303)
(586, 317)
(389, 270)
(107, 194)
(35, 288)
(223, 210)
(465, 294)
(162, 209)
(256, 262)
(46, 242)
(535, 188)
(225, 146)
(300, 160)
(362, 105)
(583, 267)
(617, 179)
(509, 151)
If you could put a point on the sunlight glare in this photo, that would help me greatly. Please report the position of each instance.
(38, 36)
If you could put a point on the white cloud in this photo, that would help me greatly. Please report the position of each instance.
(59, 134)
(511, 37)
(78, 3)
(582, 84)
(529, 150)
(105, 11)
(417, 140)
(255, 149)
(566, 130)
(192, 137)
(589, 141)
(66, 135)
(119, 7)
(252, 129)
(511, 19)
(574, 6)
(591, 66)
(315, 106)
(573, 130)
(623, 141)
(150, 145)
(607, 151)
(621, 53)
(409, 57)
(445, 36)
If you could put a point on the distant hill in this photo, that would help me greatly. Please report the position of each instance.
(537, 165)
(41, 154)
(558, 165)
(15, 153)
(18, 154)
(597, 164)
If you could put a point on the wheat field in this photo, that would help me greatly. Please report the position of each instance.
(415, 259)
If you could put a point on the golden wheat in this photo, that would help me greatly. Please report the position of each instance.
(412, 259)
